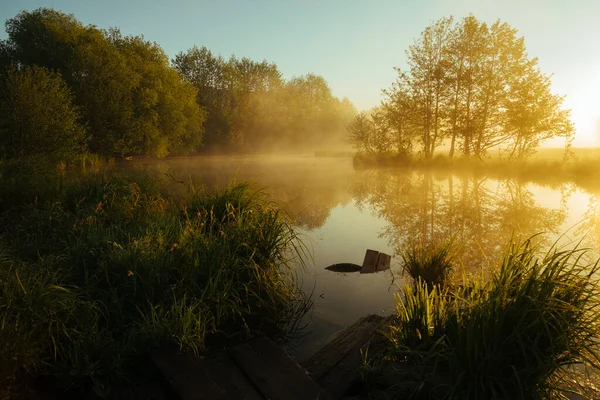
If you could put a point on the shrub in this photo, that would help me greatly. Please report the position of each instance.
(38, 118)
(512, 337)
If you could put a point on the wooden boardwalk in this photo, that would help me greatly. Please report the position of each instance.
(259, 369)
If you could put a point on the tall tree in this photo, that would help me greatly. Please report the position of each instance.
(121, 85)
(37, 117)
(428, 65)
(474, 85)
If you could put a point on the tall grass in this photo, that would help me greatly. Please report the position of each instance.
(97, 270)
(431, 264)
(512, 337)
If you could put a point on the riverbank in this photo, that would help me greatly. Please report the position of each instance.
(98, 268)
(547, 167)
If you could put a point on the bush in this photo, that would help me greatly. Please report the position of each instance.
(513, 337)
(37, 116)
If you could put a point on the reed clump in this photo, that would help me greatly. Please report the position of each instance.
(513, 336)
(432, 264)
(96, 270)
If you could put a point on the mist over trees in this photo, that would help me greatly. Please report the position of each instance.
(131, 100)
(251, 107)
(471, 86)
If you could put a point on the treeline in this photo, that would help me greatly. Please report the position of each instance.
(470, 86)
(250, 106)
(67, 88)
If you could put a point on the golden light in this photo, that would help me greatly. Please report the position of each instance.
(584, 103)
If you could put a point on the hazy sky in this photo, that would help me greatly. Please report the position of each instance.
(355, 44)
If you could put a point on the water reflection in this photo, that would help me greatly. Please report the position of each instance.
(480, 215)
(342, 212)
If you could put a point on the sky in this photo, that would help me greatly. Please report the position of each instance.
(355, 44)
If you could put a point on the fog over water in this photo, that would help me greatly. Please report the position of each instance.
(340, 212)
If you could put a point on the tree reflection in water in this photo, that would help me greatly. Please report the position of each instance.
(479, 215)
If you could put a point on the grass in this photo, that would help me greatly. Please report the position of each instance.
(432, 264)
(96, 270)
(513, 336)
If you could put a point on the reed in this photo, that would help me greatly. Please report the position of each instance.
(513, 336)
(96, 270)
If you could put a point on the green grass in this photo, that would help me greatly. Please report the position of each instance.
(510, 337)
(431, 264)
(96, 270)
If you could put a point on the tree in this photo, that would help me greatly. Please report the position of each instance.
(250, 107)
(475, 85)
(360, 132)
(131, 99)
(533, 114)
(210, 76)
(38, 118)
(428, 64)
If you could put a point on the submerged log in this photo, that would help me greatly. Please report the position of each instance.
(374, 262)
(344, 267)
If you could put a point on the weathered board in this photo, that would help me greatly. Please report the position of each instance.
(383, 262)
(370, 262)
(188, 377)
(230, 378)
(335, 366)
(274, 373)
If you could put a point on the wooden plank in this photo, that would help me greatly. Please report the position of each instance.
(383, 262)
(329, 356)
(370, 261)
(274, 373)
(187, 376)
(227, 374)
(335, 366)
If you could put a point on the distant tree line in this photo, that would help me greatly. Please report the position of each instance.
(250, 106)
(471, 86)
(66, 88)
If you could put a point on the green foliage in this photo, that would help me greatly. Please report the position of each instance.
(96, 271)
(512, 337)
(37, 117)
(250, 107)
(432, 265)
(473, 86)
(130, 98)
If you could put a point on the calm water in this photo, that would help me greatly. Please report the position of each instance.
(342, 212)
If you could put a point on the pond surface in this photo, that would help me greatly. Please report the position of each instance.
(340, 212)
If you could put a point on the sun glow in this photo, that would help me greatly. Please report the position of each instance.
(584, 103)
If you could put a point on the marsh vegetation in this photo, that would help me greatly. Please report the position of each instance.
(110, 247)
(96, 270)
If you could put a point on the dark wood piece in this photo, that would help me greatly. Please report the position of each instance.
(344, 267)
(274, 373)
(226, 373)
(334, 367)
(187, 376)
(370, 262)
(383, 262)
